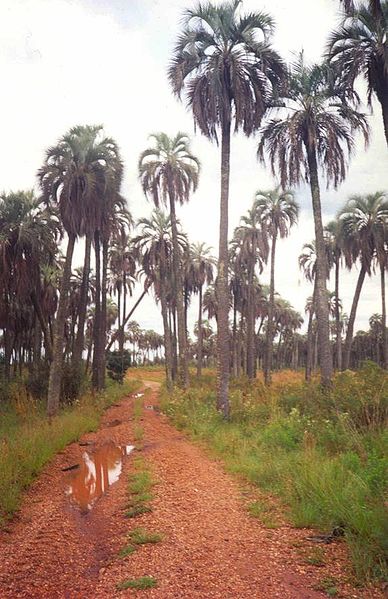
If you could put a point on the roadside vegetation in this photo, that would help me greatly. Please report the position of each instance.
(28, 440)
(324, 454)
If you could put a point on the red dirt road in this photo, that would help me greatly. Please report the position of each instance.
(211, 548)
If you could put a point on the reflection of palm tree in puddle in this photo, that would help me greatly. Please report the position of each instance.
(97, 471)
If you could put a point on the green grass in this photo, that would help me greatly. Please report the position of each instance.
(140, 484)
(144, 582)
(128, 550)
(325, 455)
(28, 441)
(139, 536)
(264, 512)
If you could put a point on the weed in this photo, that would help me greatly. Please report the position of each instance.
(138, 434)
(328, 585)
(139, 536)
(264, 512)
(137, 510)
(144, 582)
(128, 550)
(315, 557)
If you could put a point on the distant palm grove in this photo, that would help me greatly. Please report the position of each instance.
(63, 326)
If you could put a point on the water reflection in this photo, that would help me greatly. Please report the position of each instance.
(98, 470)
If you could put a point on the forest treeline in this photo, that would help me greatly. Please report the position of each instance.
(60, 323)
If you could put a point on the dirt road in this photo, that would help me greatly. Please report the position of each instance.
(211, 548)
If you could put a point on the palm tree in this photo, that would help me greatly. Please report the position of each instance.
(316, 131)
(359, 48)
(201, 271)
(364, 229)
(226, 66)
(77, 176)
(29, 234)
(277, 212)
(169, 171)
(252, 243)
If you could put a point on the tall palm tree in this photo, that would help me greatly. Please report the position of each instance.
(169, 172)
(224, 63)
(315, 131)
(253, 250)
(202, 272)
(77, 176)
(364, 229)
(277, 212)
(359, 48)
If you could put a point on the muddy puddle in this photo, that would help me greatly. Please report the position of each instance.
(97, 471)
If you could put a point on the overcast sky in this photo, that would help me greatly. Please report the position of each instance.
(70, 62)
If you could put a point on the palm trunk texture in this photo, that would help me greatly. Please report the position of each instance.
(352, 318)
(55, 378)
(322, 308)
(200, 336)
(223, 353)
(269, 340)
(178, 288)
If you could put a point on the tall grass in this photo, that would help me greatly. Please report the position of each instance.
(28, 441)
(324, 454)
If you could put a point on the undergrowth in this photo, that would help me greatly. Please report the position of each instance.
(144, 582)
(28, 441)
(323, 453)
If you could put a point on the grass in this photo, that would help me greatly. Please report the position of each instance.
(139, 536)
(28, 441)
(324, 455)
(265, 513)
(140, 484)
(328, 585)
(144, 582)
(128, 550)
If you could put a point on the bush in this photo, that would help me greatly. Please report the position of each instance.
(117, 364)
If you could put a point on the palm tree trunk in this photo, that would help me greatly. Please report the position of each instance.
(269, 336)
(97, 312)
(384, 317)
(55, 378)
(44, 327)
(309, 357)
(322, 308)
(102, 332)
(122, 335)
(200, 336)
(119, 314)
(352, 318)
(183, 371)
(251, 319)
(383, 98)
(234, 338)
(80, 339)
(239, 345)
(223, 353)
(338, 339)
(167, 338)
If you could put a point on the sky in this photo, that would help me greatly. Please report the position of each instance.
(71, 62)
